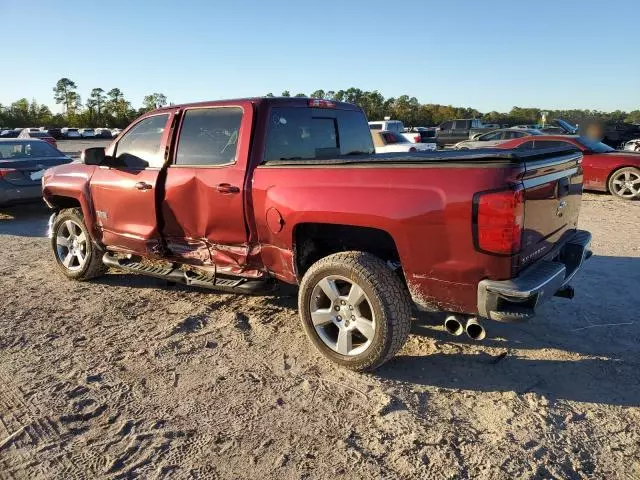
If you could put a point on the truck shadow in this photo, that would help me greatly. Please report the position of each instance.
(586, 350)
(25, 220)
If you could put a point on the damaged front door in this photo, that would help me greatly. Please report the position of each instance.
(203, 206)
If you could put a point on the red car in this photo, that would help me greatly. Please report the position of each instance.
(41, 135)
(605, 169)
(235, 195)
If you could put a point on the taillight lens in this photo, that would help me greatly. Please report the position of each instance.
(499, 219)
(6, 171)
(417, 138)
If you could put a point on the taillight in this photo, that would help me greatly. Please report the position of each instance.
(498, 221)
(320, 103)
(6, 171)
(417, 139)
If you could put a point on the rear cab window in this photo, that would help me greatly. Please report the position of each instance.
(302, 133)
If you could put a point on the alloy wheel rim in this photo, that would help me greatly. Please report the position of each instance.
(626, 184)
(342, 315)
(71, 245)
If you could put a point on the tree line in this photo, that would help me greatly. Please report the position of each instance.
(110, 108)
(103, 108)
(413, 113)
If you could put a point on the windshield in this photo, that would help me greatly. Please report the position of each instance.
(597, 147)
(19, 150)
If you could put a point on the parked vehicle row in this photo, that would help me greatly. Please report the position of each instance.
(66, 133)
(289, 189)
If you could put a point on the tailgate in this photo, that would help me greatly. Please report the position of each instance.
(552, 192)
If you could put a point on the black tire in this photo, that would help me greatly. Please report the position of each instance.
(386, 294)
(619, 176)
(93, 265)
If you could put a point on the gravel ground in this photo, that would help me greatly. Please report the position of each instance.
(126, 377)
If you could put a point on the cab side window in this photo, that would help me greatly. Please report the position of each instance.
(540, 144)
(526, 146)
(140, 147)
(209, 136)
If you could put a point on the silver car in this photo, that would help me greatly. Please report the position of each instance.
(495, 137)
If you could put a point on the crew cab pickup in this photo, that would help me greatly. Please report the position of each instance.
(454, 131)
(237, 195)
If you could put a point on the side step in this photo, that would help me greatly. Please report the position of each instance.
(175, 274)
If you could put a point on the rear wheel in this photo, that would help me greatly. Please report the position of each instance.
(625, 183)
(354, 309)
(76, 255)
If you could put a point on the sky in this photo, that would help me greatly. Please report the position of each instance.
(489, 54)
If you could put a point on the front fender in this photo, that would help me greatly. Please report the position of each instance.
(67, 186)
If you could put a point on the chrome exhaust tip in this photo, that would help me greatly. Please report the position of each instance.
(475, 330)
(453, 325)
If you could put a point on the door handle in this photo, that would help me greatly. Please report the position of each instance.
(143, 186)
(227, 188)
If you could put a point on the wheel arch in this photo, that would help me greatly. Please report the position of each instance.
(313, 241)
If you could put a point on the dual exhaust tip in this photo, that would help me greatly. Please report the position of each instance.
(473, 328)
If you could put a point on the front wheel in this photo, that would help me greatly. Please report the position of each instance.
(625, 183)
(76, 255)
(354, 309)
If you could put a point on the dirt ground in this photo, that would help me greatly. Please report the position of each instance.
(126, 377)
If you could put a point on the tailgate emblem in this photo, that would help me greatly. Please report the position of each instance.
(561, 205)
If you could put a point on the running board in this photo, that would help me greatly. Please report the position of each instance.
(173, 273)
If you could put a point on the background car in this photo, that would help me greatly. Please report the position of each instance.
(30, 133)
(10, 133)
(55, 133)
(22, 164)
(115, 132)
(494, 138)
(605, 169)
(632, 145)
(71, 133)
(87, 133)
(103, 133)
(389, 142)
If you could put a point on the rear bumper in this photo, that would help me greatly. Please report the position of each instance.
(13, 194)
(516, 299)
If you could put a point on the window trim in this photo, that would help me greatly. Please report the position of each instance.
(114, 153)
(176, 137)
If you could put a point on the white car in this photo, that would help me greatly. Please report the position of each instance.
(70, 133)
(395, 126)
(393, 142)
(88, 133)
(496, 137)
(632, 145)
(115, 132)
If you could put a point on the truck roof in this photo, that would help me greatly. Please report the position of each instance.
(279, 101)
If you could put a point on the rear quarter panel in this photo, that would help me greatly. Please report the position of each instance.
(427, 210)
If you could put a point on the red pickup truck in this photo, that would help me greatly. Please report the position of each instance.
(236, 195)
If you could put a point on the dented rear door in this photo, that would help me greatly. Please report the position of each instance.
(203, 220)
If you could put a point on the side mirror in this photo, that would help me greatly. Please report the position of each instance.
(93, 156)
